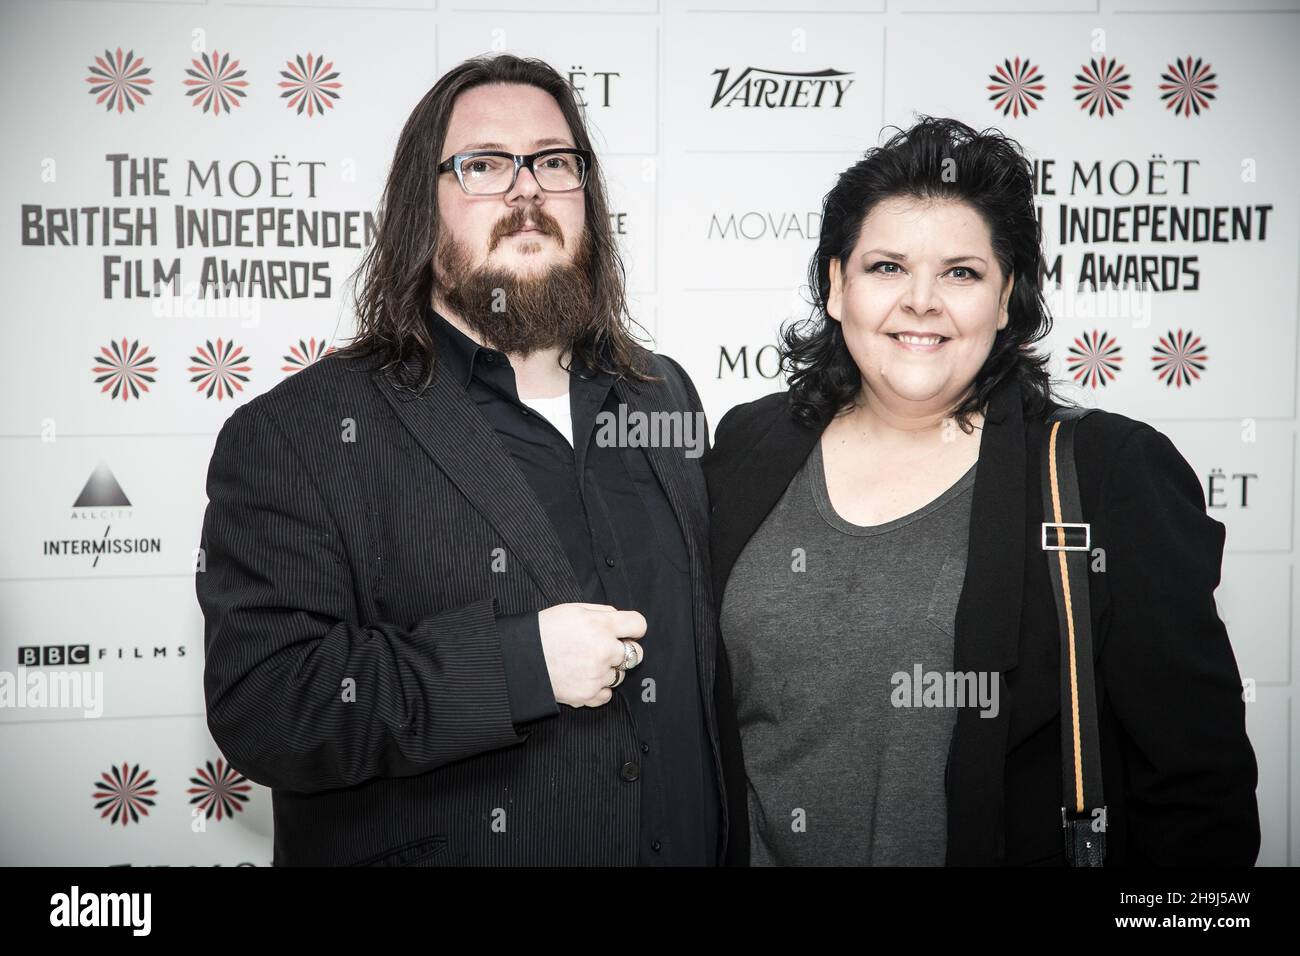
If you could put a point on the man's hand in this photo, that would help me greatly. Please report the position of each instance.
(582, 646)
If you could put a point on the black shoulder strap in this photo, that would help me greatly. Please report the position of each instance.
(1067, 543)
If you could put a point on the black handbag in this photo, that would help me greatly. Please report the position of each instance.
(1067, 544)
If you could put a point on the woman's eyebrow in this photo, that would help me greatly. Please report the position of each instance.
(902, 258)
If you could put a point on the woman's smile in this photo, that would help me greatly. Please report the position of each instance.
(918, 342)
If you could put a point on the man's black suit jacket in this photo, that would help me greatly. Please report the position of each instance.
(358, 545)
(1179, 772)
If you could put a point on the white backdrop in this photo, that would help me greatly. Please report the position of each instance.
(720, 125)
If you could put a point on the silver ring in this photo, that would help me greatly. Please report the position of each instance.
(618, 678)
(631, 656)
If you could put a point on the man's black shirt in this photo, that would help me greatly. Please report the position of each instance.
(626, 549)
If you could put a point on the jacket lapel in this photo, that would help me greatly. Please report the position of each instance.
(450, 429)
(754, 487)
(988, 632)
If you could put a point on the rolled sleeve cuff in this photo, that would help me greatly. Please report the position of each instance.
(528, 682)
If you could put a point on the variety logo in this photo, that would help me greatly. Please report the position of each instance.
(781, 89)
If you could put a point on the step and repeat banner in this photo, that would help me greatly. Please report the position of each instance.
(160, 154)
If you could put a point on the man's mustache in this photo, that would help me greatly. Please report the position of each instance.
(518, 218)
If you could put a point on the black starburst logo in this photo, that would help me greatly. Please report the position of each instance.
(221, 790)
(216, 82)
(1188, 86)
(219, 370)
(1102, 88)
(304, 354)
(1179, 358)
(311, 85)
(119, 82)
(124, 370)
(1016, 87)
(124, 794)
(1094, 358)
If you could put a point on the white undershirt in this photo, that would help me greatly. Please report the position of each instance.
(554, 410)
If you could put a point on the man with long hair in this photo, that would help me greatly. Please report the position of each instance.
(431, 559)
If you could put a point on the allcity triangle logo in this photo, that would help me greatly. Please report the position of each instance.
(101, 499)
(102, 491)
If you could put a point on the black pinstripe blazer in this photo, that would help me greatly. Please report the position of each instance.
(352, 658)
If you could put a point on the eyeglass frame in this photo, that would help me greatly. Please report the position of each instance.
(453, 163)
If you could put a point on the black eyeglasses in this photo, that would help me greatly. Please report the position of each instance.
(490, 172)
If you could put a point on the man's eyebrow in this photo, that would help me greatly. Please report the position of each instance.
(537, 144)
(902, 258)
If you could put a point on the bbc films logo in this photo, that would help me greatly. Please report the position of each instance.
(101, 499)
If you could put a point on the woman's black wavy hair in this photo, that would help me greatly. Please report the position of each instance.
(988, 172)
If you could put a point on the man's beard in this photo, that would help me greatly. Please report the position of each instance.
(519, 314)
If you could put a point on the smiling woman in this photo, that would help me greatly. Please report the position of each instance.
(875, 520)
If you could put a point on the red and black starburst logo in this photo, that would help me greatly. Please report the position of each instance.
(1102, 88)
(125, 794)
(1016, 87)
(221, 790)
(219, 370)
(312, 85)
(1179, 358)
(215, 83)
(124, 370)
(1094, 359)
(119, 82)
(304, 354)
(1188, 86)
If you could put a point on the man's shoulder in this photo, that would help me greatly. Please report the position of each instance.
(334, 379)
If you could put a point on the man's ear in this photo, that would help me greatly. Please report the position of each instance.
(836, 296)
(1004, 308)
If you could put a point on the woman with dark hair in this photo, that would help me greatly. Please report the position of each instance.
(878, 540)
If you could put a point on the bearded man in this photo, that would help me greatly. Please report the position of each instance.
(426, 576)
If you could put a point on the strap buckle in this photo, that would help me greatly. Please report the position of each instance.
(1065, 526)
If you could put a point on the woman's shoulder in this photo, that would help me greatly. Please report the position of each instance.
(747, 421)
(1109, 443)
(1099, 425)
(744, 426)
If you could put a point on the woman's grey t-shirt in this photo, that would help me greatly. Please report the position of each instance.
(819, 615)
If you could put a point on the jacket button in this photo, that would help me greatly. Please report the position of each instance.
(656, 846)
(630, 771)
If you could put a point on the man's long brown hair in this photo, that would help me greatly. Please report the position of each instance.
(394, 282)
